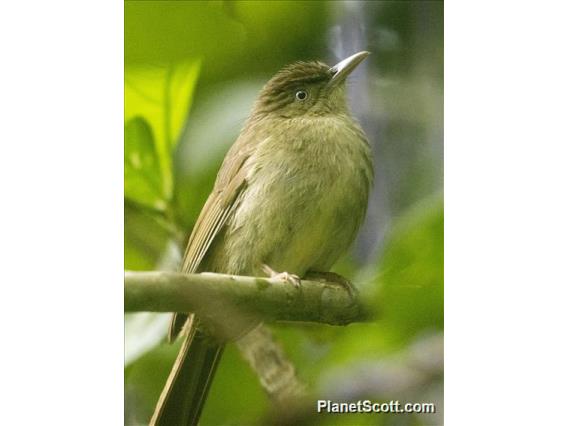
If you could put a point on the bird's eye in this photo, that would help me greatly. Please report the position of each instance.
(301, 95)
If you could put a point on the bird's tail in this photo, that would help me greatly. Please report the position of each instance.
(184, 395)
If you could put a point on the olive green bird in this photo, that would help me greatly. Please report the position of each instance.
(290, 196)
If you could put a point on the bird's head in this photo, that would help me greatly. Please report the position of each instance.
(307, 88)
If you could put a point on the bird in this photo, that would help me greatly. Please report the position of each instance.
(288, 200)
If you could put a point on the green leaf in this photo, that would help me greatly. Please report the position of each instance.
(142, 179)
(145, 238)
(162, 95)
(143, 331)
(411, 293)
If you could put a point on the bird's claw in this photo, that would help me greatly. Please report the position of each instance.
(283, 276)
(289, 278)
(333, 278)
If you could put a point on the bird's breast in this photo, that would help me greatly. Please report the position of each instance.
(305, 198)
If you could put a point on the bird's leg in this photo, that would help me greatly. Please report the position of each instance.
(332, 277)
(284, 276)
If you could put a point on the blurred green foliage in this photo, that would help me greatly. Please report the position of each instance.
(142, 175)
(192, 71)
(412, 270)
(156, 100)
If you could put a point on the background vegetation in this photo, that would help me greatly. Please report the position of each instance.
(192, 71)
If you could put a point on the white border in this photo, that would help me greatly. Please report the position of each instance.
(62, 223)
(506, 212)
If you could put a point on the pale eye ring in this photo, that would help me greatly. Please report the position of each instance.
(301, 95)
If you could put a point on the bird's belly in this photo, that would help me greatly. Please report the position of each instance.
(313, 244)
(295, 224)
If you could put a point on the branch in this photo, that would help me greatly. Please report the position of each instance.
(219, 295)
(276, 373)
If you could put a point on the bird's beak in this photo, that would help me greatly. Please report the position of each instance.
(341, 70)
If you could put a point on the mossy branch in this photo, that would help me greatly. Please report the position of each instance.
(220, 296)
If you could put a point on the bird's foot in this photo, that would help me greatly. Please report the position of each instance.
(284, 276)
(333, 278)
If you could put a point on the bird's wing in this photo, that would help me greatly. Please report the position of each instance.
(230, 182)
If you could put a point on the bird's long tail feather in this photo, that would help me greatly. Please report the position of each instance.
(184, 395)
